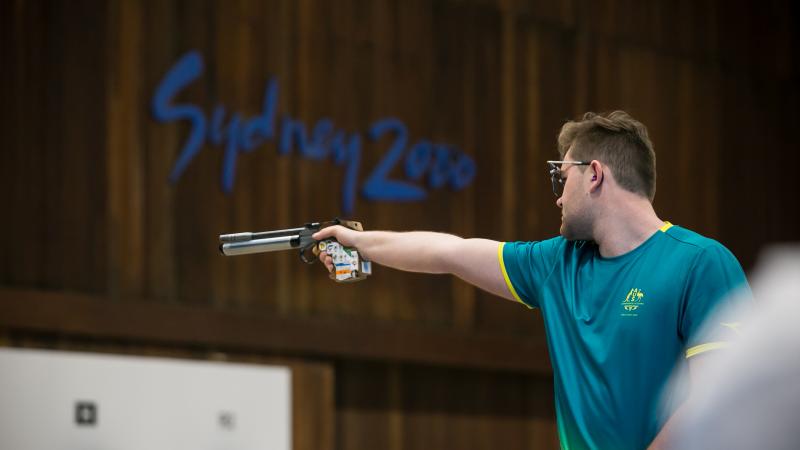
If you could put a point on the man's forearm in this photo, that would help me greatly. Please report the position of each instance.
(413, 251)
(473, 260)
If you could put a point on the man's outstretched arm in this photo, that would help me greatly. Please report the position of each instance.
(473, 260)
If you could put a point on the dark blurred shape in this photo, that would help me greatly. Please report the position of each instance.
(86, 413)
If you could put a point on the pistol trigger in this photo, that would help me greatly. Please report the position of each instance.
(303, 253)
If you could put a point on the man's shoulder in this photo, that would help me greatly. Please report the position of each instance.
(561, 245)
(695, 243)
(557, 241)
(546, 249)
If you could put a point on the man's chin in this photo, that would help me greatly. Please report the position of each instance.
(565, 232)
(569, 234)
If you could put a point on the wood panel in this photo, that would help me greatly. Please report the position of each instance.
(125, 163)
(93, 183)
(99, 194)
(161, 146)
(409, 406)
(138, 321)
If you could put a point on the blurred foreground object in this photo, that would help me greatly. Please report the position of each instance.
(750, 395)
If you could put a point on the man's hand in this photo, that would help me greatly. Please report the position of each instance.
(344, 235)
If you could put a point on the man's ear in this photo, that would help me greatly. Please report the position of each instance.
(597, 175)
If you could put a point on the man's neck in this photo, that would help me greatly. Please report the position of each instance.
(625, 225)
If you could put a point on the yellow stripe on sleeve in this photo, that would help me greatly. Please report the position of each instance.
(702, 348)
(505, 274)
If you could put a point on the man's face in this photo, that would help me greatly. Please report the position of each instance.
(574, 203)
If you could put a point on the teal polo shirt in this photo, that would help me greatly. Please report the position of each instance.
(618, 327)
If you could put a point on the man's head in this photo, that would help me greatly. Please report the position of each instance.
(617, 154)
(617, 140)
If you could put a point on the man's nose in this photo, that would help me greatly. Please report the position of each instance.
(558, 202)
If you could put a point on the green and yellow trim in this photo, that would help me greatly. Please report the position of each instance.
(505, 274)
(665, 227)
(702, 348)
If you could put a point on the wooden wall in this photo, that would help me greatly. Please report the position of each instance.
(99, 247)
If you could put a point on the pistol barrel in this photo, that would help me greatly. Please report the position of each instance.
(271, 244)
(269, 241)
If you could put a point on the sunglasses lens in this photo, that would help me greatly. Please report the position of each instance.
(558, 187)
(555, 180)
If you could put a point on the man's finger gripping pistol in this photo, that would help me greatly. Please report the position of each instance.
(348, 264)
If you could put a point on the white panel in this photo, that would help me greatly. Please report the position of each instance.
(141, 403)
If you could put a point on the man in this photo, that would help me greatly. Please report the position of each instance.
(622, 292)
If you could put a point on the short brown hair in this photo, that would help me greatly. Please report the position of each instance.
(617, 140)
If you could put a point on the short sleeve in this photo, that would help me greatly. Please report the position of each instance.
(526, 265)
(717, 296)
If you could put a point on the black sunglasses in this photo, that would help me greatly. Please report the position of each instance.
(555, 174)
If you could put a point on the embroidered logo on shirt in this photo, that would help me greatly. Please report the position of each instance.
(632, 302)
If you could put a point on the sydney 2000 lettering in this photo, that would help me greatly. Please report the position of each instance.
(423, 163)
